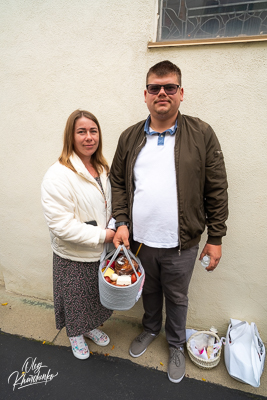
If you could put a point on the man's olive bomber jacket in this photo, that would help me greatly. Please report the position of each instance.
(200, 176)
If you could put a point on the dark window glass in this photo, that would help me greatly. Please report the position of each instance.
(203, 19)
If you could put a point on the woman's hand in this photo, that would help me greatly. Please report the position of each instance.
(109, 236)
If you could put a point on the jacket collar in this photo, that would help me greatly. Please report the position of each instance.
(150, 132)
(82, 170)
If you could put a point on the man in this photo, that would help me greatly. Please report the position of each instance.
(168, 182)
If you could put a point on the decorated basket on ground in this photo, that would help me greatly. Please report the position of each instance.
(200, 362)
(123, 297)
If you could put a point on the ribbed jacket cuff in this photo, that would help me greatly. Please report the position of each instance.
(122, 218)
(102, 236)
(216, 240)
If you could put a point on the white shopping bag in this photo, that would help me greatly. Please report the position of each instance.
(244, 352)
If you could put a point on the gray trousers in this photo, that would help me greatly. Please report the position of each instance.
(169, 274)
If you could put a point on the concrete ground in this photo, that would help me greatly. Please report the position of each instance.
(33, 318)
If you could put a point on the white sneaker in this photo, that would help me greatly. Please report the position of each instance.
(98, 336)
(79, 347)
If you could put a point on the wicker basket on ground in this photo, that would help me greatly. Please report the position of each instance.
(200, 362)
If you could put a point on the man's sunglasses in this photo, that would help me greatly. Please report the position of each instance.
(169, 89)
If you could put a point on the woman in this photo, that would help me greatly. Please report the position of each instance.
(76, 199)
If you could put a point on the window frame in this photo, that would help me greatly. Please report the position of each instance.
(201, 41)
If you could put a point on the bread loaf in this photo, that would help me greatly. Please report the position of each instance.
(123, 267)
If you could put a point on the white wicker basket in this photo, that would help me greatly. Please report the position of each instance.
(200, 362)
(120, 298)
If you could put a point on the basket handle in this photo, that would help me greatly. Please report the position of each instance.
(127, 252)
(115, 252)
(109, 254)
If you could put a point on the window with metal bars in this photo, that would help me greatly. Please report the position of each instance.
(206, 19)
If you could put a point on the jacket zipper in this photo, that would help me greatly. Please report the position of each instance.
(177, 188)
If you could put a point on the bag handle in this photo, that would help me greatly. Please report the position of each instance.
(240, 333)
(257, 340)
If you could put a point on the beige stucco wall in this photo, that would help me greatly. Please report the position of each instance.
(60, 56)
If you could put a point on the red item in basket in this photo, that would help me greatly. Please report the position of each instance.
(111, 265)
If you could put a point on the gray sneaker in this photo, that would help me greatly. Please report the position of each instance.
(141, 343)
(176, 369)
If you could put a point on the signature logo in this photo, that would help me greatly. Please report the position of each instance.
(32, 373)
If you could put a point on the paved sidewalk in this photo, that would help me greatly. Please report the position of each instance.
(34, 319)
(31, 370)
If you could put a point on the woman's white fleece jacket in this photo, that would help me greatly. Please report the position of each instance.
(69, 200)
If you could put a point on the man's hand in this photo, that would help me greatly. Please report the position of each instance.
(214, 252)
(122, 237)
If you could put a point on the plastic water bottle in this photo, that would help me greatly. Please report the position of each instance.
(205, 261)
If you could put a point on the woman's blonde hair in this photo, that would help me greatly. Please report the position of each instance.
(98, 161)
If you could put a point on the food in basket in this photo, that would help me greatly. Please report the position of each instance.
(114, 277)
(123, 280)
(124, 274)
(123, 267)
(210, 352)
(204, 346)
(109, 272)
(133, 277)
(111, 265)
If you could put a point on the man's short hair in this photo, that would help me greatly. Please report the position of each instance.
(164, 68)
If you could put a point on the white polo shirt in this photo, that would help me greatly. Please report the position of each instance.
(155, 205)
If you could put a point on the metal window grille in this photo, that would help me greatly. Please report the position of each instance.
(205, 19)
